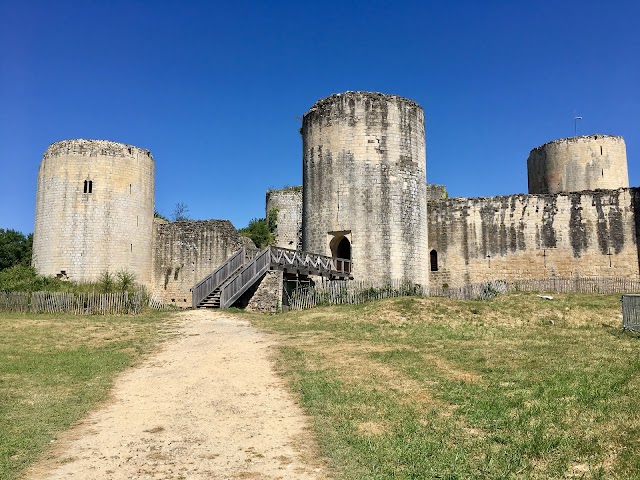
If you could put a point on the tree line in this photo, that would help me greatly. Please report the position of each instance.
(15, 248)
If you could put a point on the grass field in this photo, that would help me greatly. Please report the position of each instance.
(53, 369)
(514, 387)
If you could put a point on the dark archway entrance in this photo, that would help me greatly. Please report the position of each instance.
(341, 249)
(344, 249)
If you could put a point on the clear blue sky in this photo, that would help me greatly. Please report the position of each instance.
(216, 90)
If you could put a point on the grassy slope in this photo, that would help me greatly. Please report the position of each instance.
(515, 387)
(53, 369)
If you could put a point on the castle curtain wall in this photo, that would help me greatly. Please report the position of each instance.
(186, 252)
(534, 236)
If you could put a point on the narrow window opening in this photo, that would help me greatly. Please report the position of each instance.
(433, 260)
(90, 186)
(132, 247)
(603, 172)
(86, 186)
(600, 149)
(129, 189)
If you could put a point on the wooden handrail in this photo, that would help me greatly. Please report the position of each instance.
(296, 258)
(232, 289)
(208, 284)
(238, 273)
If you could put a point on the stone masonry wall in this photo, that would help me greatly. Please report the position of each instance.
(84, 233)
(266, 295)
(186, 252)
(364, 177)
(535, 236)
(436, 192)
(578, 164)
(288, 202)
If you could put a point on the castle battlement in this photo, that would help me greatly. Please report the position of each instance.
(94, 148)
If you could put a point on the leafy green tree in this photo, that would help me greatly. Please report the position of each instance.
(272, 221)
(258, 231)
(262, 230)
(15, 248)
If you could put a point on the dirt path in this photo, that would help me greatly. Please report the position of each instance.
(209, 405)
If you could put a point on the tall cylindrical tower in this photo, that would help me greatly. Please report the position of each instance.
(287, 206)
(364, 192)
(578, 163)
(94, 210)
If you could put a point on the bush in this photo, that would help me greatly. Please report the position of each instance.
(107, 283)
(22, 278)
(493, 289)
(126, 281)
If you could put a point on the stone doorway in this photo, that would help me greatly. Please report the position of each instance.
(341, 249)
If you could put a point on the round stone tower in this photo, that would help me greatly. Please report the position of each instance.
(94, 210)
(364, 176)
(578, 163)
(287, 206)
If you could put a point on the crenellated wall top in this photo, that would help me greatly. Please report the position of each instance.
(94, 148)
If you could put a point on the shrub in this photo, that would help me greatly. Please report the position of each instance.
(22, 278)
(106, 282)
(493, 289)
(125, 281)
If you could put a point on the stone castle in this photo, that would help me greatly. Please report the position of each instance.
(364, 198)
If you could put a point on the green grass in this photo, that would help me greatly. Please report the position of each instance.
(53, 369)
(514, 387)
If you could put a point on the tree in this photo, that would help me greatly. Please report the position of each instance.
(157, 214)
(180, 212)
(261, 230)
(258, 231)
(15, 248)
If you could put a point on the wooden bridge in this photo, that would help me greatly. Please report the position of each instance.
(224, 286)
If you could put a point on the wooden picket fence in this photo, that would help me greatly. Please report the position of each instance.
(355, 292)
(577, 285)
(76, 303)
(14, 302)
(348, 292)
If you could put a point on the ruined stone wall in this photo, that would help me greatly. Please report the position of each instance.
(436, 192)
(288, 202)
(94, 210)
(535, 236)
(577, 164)
(185, 252)
(364, 177)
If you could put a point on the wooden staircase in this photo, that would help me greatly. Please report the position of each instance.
(212, 300)
(224, 286)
